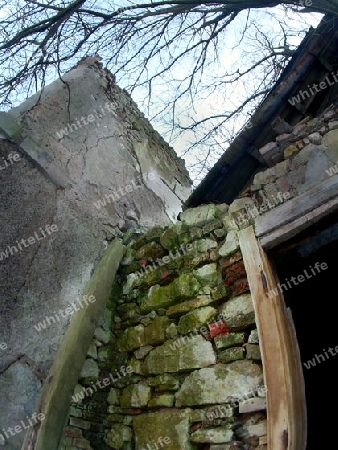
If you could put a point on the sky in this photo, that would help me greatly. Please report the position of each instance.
(204, 101)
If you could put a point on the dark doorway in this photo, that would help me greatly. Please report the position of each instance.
(312, 302)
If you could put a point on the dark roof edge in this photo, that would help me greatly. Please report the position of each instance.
(299, 65)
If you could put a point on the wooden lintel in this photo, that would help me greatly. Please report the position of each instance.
(298, 213)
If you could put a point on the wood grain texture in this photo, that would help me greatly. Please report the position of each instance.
(293, 216)
(283, 375)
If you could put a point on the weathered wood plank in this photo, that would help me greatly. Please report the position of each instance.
(296, 210)
(286, 419)
(59, 386)
(288, 231)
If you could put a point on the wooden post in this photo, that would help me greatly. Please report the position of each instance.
(286, 408)
(59, 386)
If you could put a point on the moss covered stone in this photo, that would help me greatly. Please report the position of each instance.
(189, 305)
(200, 215)
(184, 287)
(238, 312)
(173, 426)
(177, 355)
(164, 400)
(150, 251)
(118, 435)
(155, 333)
(219, 435)
(195, 319)
(135, 396)
(231, 354)
(229, 340)
(218, 384)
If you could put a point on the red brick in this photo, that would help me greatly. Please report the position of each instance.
(240, 287)
(226, 262)
(234, 272)
(73, 432)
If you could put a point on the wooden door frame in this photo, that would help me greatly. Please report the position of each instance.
(282, 369)
(286, 406)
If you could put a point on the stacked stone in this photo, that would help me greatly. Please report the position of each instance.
(297, 160)
(87, 423)
(185, 336)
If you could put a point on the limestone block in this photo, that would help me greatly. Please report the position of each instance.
(118, 435)
(156, 427)
(218, 384)
(238, 312)
(231, 244)
(229, 340)
(184, 353)
(200, 215)
(135, 396)
(195, 319)
(219, 435)
(182, 288)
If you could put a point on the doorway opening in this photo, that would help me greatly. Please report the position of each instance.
(307, 271)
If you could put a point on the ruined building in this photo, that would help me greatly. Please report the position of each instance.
(138, 314)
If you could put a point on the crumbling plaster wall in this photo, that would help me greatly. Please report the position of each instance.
(59, 181)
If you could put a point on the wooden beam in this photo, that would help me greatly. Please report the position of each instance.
(293, 216)
(59, 386)
(281, 364)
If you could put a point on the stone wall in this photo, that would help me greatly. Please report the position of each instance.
(80, 158)
(299, 160)
(175, 363)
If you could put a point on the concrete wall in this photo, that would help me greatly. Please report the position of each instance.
(54, 228)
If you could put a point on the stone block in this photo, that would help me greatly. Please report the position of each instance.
(218, 384)
(271, 153)
(150, 251)
(135, 396)
(231, 244)
(143, 351)
(182, 354)
(163, 400)
(219, 435)
(118, 435)
(229, 340)
(90, 368)
(195, 319)
(252, 405)
(253, 337)
(154, 333)
(238, 312)
(184, 287)
(253, 352)
(153, 428)
(189, 305)
(315, 138)
(200, 215)
(207, 275)
(231, 354)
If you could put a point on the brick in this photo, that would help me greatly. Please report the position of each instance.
(270, 152)
(73, 432)
(234, 272)
(240, 287)
(227, 262)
